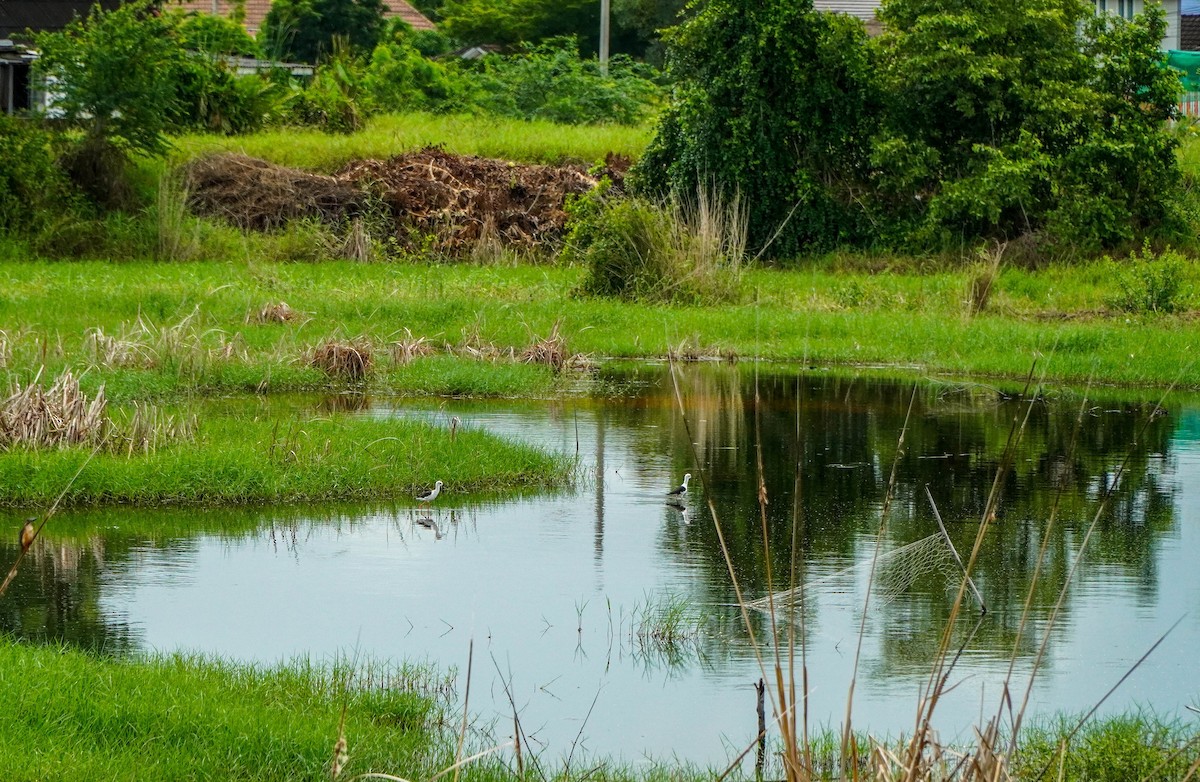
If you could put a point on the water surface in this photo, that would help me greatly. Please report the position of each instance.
(554, 591)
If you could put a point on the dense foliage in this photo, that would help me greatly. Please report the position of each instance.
(966, 119)
(553, 82)
(633, 29)
(304, 30)
(33, 187)
(1011, 117)
(115, 75)
(775, 101)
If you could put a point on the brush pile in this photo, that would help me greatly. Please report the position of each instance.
(425, 199)
(56, 417)
(261, 196)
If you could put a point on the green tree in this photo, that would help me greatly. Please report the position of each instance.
(214, 35)
(1006, 117)
(773, 101)
(509, 22)
(644, 21)
(113, 74)
(304, 30)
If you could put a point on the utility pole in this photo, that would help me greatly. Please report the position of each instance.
(604, 30)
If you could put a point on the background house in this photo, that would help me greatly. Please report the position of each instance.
(17, 16)
(17, 19)
(256, 11)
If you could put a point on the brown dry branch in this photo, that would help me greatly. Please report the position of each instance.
(344, 360)
(454, 204)
(258, 195)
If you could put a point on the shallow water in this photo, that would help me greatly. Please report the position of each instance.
(553, 591)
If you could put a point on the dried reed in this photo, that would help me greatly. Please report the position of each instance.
(60, 416)
(343, 360)
(274, 312)
(551, 350)
(408, 348)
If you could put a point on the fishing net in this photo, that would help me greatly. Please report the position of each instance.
(896, 571)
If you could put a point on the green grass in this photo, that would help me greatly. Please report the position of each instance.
(908, 322)
(388, 135)
(268, 456)
(1117, 749)
(188, 717)
(71, 715)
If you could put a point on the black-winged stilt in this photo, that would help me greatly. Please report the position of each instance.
(431, 495)
(680, 490)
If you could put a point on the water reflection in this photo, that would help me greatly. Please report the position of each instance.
(557, 589)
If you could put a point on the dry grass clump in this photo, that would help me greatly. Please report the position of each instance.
(552, 351)
(275, 312)
(409, 348)
(982, 277)
(343, 360)
(5, 349)
(147, 428)
(62, 416)
(118, 352)
(474, 346)
(145, 345)
(56, 417)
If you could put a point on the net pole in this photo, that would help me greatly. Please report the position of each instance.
(954, 551)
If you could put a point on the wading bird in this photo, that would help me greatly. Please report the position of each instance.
(680, 491)
(427, 497)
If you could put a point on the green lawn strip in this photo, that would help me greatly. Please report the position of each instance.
(76, 715)
(392, 134)
(73, 715)
(270, 458)
(47, 312)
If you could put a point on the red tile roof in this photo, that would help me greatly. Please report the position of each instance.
(256, 11)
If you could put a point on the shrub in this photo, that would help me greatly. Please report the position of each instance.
(214, 35)
(333, 101)
(1012, 117)
(33, 188)
(552, 82)
(679, 252)
(399, 77)
(1148, 284)
(775, 99)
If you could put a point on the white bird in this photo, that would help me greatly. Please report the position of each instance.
(681, 489)
(431, 495)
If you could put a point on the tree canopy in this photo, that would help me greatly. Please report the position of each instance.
(965, 120)
(304, 30)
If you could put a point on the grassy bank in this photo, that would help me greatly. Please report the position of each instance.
(179, 717)
(179, 329)
(264, 456)
(392, 134)
(190, 718)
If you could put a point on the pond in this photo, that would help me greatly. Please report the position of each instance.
(608, 618)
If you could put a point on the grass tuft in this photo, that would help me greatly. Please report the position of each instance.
(343, 360)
